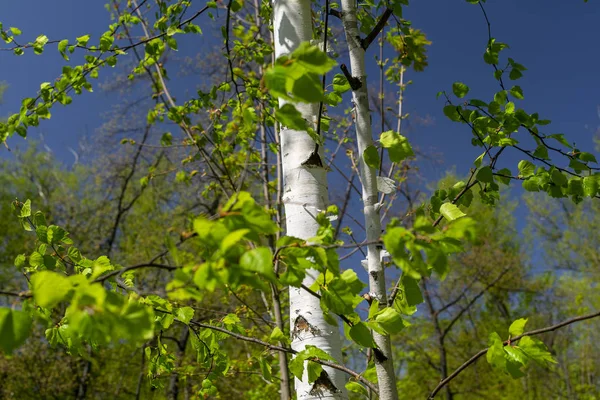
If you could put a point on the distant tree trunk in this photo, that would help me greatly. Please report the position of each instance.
(173, 391)
(83, 382)
(384, 365)
(443, 368)
(304, 195)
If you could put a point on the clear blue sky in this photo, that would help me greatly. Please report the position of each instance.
(556, 40)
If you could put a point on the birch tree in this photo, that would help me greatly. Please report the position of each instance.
(236, 247)
(305, 195)
(368, 178)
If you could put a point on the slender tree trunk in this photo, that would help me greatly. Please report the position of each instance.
(284, 374)
(85, 379)
(173, 391)
(304, 195)
(443, 367)
(284, 386)
(384, 365)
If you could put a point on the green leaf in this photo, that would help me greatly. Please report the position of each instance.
(412, 292)
(479, 159)
(531, 185)
(356, 387)
(82, 40)
(62, 46)
(297, 364)
(265, 368)
(313, 59)
(100, 266)
(20, 261)
(36, 259)
(577, 165)
(536, 350)
(504, 179)
(74, 254)
(485, 174)
(590, 186)
(15, 327)
(55, 234)
(258, 260)
(25, 210)
(541, 152)
(558, 177)
(398, 146)
(49, 288)
(517, 327)
(526, 169)
(460, 89)
(559, 137)
(276, 80)
(451, 211)
(313, 370)
(278, 336)
(509, 108)
(340, 84)
(184, 314)
(290, 117)
(390, 320)
(15, 31)
(371, 156)
(515, 74)
(587, 157)
(307, 88)
(361, 334)
(575, 186)
(236, 5)
(517, 92)
(495, 354)
(516, 356)
(233, 238)
(451, 112)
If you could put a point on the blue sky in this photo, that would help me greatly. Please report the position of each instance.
(556, 40)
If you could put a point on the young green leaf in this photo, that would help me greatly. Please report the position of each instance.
(371, 156)
(49, 288)
(390, 320)
(451, 211)
(361, 334)
(485, 174)
(15, 327)
(517, 327)
(459, 89)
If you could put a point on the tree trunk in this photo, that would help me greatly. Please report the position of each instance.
(443, 366)
(173, 390)
(304, 195)
(383, 365)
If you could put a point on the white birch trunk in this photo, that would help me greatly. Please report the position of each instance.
(385, 369)
(304, 195)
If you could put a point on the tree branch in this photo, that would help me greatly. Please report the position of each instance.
(121, 271)
(269, 346)
(473, 300)
(364, 43)
(24, 295)
(506, 342)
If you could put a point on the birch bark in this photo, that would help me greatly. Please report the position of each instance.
(304, 195)
(384, 367)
